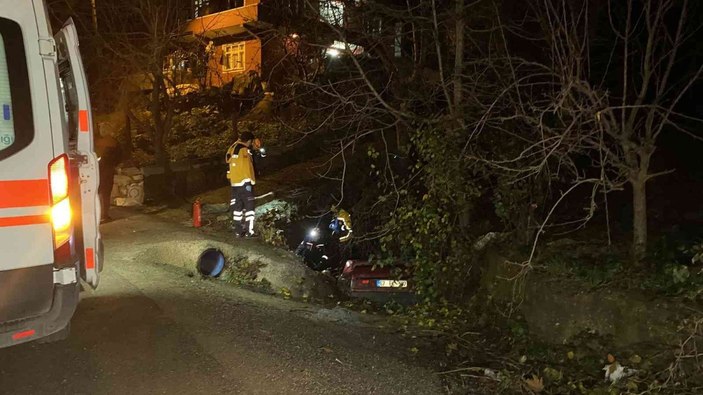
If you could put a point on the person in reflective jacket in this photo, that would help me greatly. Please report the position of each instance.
(341, 226)
(321, 249)
(242, 179)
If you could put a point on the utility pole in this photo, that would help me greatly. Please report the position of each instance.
(95, 15)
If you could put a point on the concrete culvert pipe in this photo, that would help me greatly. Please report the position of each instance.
(211, 262)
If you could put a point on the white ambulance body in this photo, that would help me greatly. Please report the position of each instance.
(49, 210)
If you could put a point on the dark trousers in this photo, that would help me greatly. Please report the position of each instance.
(242, 207)
(107, 179)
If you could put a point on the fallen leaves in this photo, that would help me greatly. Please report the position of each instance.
(553, 375)
(286, 293)
(535, 383)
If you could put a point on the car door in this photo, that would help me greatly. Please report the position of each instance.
(79, 126)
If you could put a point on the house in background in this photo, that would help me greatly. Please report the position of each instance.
(231, 32)
(273, 40)
(240, 38)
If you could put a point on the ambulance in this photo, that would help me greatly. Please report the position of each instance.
(50, 242)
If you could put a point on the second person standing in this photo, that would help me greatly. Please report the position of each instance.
(242, 178)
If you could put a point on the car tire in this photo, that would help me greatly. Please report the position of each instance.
(57, 336)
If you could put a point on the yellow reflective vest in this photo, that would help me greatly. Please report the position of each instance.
(241, 165)
(345, 219)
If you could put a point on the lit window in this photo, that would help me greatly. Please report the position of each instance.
(16, 120)
(332, 12)
(199, 7)
(7, 128)
(233, 57)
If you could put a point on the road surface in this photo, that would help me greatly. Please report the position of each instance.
(153, 329)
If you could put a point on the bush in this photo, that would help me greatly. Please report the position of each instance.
(431, 226)
(205, 133)
(201, 133)
(272, 217)
(242, 271)
(673, 262)
(270, 133)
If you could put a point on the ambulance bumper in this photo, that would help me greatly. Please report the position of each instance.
(64, 305)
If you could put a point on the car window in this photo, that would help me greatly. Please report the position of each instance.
(7, 128)
(16, 124)
(68, 91)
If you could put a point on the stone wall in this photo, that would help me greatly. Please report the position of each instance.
(128, 189)
(133, 186)
(558, 310)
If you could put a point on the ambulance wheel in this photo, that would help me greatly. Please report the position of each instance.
(58, 336)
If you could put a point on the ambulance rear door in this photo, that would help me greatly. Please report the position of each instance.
(74, 86)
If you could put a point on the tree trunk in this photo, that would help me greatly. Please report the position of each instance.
(94, 15)
(160, 150)
(639, 213)
(459, 56)
(127, 145)
(236, 112)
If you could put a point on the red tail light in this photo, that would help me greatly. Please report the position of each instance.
(61, 216)
(23, 334)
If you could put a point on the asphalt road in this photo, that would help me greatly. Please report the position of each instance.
(152, 329)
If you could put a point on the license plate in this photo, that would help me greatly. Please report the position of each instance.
(391, 283)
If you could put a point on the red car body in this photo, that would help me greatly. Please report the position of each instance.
(366, 280)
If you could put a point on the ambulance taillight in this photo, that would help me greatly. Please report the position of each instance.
(61, 216)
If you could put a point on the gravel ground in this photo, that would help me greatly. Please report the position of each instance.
(153, 328)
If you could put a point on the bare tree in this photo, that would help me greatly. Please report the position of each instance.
(541, 100)
(618, 127)
(141, 35)
(651, 91)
